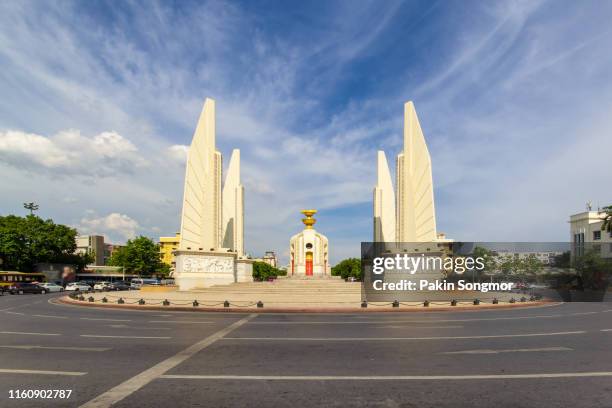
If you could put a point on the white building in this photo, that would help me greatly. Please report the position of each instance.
(586, 232)
(309, 250)
(546, 257)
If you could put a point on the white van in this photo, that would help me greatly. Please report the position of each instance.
(137, 283)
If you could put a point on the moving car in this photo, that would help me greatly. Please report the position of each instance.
(77, 286)
(22, 287)
(51, 287)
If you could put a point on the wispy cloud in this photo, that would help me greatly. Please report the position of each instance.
(510, 95)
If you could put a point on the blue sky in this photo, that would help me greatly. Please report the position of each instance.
(99, 98)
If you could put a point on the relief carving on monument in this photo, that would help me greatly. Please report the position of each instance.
(216, 265)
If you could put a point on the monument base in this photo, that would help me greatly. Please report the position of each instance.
(200, 269)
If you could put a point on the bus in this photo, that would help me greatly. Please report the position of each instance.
(7, 278)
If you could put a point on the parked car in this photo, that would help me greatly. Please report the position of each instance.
(51, 287)
(77, 286)
(119, 285)
(137, 283)
(102, 286)
(25, 287)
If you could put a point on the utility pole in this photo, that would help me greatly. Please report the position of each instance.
(30, 206)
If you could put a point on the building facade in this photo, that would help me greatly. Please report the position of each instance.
(269, 258)
(167, 246)
(586, 233)
(93, 245)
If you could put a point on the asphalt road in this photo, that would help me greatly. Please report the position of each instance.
(553, 356)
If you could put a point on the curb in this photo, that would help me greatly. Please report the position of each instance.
(68, 301)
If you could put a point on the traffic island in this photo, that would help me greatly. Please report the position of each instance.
(279, 303)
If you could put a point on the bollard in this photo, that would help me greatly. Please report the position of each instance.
(166, 303)
(260, 304)
(364, 304)
(476, 302)
(195, 303)
(141, 302)
(121, 301)
(426, 303)
(395, 303)
(226, 304)
(453, 302)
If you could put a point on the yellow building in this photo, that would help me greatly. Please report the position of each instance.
(166, 246)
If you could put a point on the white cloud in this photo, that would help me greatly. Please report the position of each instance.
(500, 101)
(113, 225)
(68, 152)
(178, 153)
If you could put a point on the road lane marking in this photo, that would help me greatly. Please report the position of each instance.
(421, 327)
(42, 372)
(606, 330)
(15, 307)
(105, 320)
(524, 350)
(23, 347)
(381, 321)
(15, 313)
(182, 321)
(50, 316)
(124, 337)
(492, 336)
(135, 383)
(30, 334)
(125, 326)
(386, 377)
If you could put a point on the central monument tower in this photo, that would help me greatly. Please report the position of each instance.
(211, 249)
(409, 216)
(309, 250)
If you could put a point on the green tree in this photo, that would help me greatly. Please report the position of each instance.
(488, 259)
(562, 260)
(350, 267)
(25, 241)
(262, 271)
(141, 256)
(607, 219)
(593, 269)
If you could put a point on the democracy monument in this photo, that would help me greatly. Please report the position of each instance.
(211, 249)
(212, 269)
(309, 250)
(412, 216)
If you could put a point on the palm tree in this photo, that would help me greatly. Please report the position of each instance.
(607, 219)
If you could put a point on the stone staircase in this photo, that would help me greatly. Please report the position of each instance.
(287, 291)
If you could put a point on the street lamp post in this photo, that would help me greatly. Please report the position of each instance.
(30, 206)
